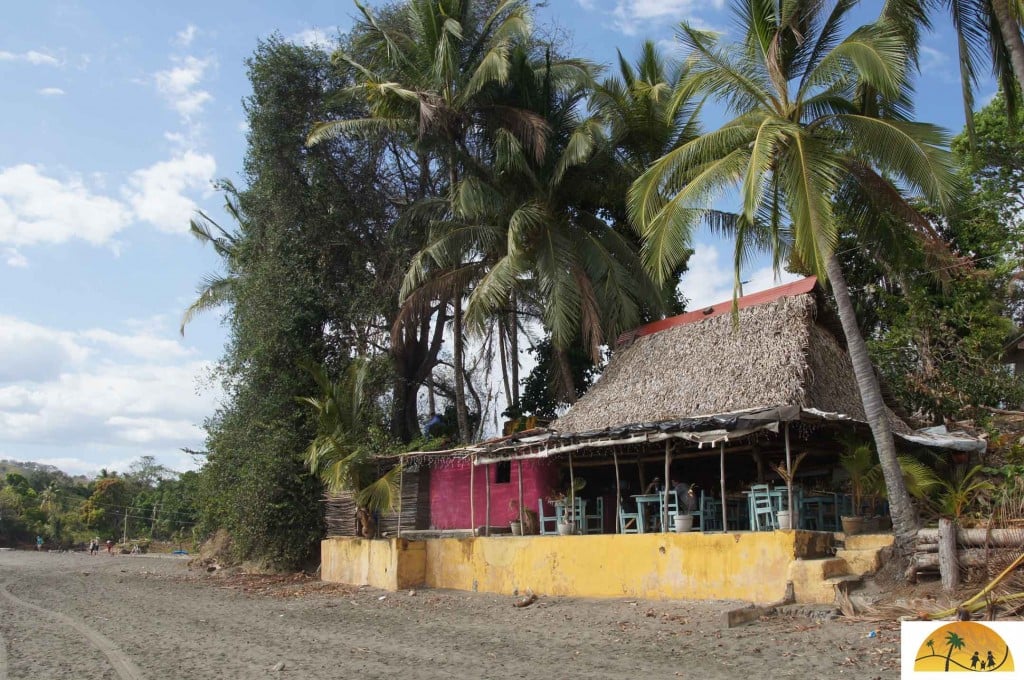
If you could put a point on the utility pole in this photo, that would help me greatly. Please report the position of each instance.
(125, 541)
(152, 525)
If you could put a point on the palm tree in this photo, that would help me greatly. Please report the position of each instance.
(648, 109)
(429, 73)
(797, 136)
(954, 642)
(532, 227)
(216, 289)
(342, 454)
(985, 30)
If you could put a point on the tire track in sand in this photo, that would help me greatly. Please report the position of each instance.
(122, 665)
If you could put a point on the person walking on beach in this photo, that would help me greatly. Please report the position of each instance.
(974, 660)
(94, 546)
(110, 547)
(39, 543)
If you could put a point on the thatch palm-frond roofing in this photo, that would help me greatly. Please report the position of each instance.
(710, 376)
(775, 352)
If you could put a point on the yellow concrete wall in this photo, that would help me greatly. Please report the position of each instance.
(754, 567)
(389, 564)
(747, 566)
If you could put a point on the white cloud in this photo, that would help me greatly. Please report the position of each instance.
(157, 193)
(14, 258)
(31, 57)
(709, 279)
(97, 388)
(317, 36)
(35, 208)
(935, 63)
(184, 37)
(180, 85)
(630, 15)
(51, 91)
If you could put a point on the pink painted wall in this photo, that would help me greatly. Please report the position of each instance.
(449, 492)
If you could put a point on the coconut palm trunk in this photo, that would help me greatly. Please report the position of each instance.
(904, 518)
(1009, 27)
(461, 412)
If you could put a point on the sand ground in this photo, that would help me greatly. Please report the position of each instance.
(120, 617)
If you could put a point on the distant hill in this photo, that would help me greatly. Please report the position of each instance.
(27, 468)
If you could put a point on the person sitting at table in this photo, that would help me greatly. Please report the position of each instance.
(654, 486)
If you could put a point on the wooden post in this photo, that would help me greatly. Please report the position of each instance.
(487, 500)
(401, 491)
(522, 511)
(664, 496)
(721, 466)
(949, 568)
(472, 505)
(793, 517)
(618, 494)
(572, 496)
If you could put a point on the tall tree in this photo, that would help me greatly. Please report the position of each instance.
(798, 134)
(985, 31)
(425, 69)
(311, 250)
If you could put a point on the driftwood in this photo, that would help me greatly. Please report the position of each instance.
(972, 557)
(996, 538)
(949, 567)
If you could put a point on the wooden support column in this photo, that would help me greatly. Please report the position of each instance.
(949, 567)
(664, 497)
(618, 494)
(721, 470)
(401, 492)
(487, 500)
(472, 504)
(522, 511)
(572, 497)
(794, 520)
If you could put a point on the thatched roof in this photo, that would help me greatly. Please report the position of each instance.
(778, 351)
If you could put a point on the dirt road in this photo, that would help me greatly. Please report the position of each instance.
(76, 616)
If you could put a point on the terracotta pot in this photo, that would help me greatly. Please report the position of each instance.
(852, 525)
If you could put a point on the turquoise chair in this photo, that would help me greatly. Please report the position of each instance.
(762, 508)
(543, 520)
(711, 513)
(594, 524)
(629, 522)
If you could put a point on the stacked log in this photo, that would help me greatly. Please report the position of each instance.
(948, 549)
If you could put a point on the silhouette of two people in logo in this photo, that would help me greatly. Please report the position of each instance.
(989, 662)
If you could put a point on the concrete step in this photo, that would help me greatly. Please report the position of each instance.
(860, 562)
(811, 578)
(867, 541)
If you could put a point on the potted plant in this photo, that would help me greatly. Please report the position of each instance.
(686, 503)
(516, 524)
(785, 517)
(567, 525)
(858, 461)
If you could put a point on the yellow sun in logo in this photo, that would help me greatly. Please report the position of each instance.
(964, 646)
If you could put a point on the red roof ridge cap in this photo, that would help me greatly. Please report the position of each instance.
(800, 287)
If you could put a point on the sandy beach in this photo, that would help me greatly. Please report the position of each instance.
(76, 616)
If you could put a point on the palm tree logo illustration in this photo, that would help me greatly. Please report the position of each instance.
(965, 646)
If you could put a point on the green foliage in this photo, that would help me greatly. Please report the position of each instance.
(961, 490)
(541, 394)
(937, 332)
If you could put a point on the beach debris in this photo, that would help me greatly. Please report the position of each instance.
(382, 598)
(278, 667)
(412, 593)
(526, 600)
(873, 634)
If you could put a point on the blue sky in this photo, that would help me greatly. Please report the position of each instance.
(116, 116)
